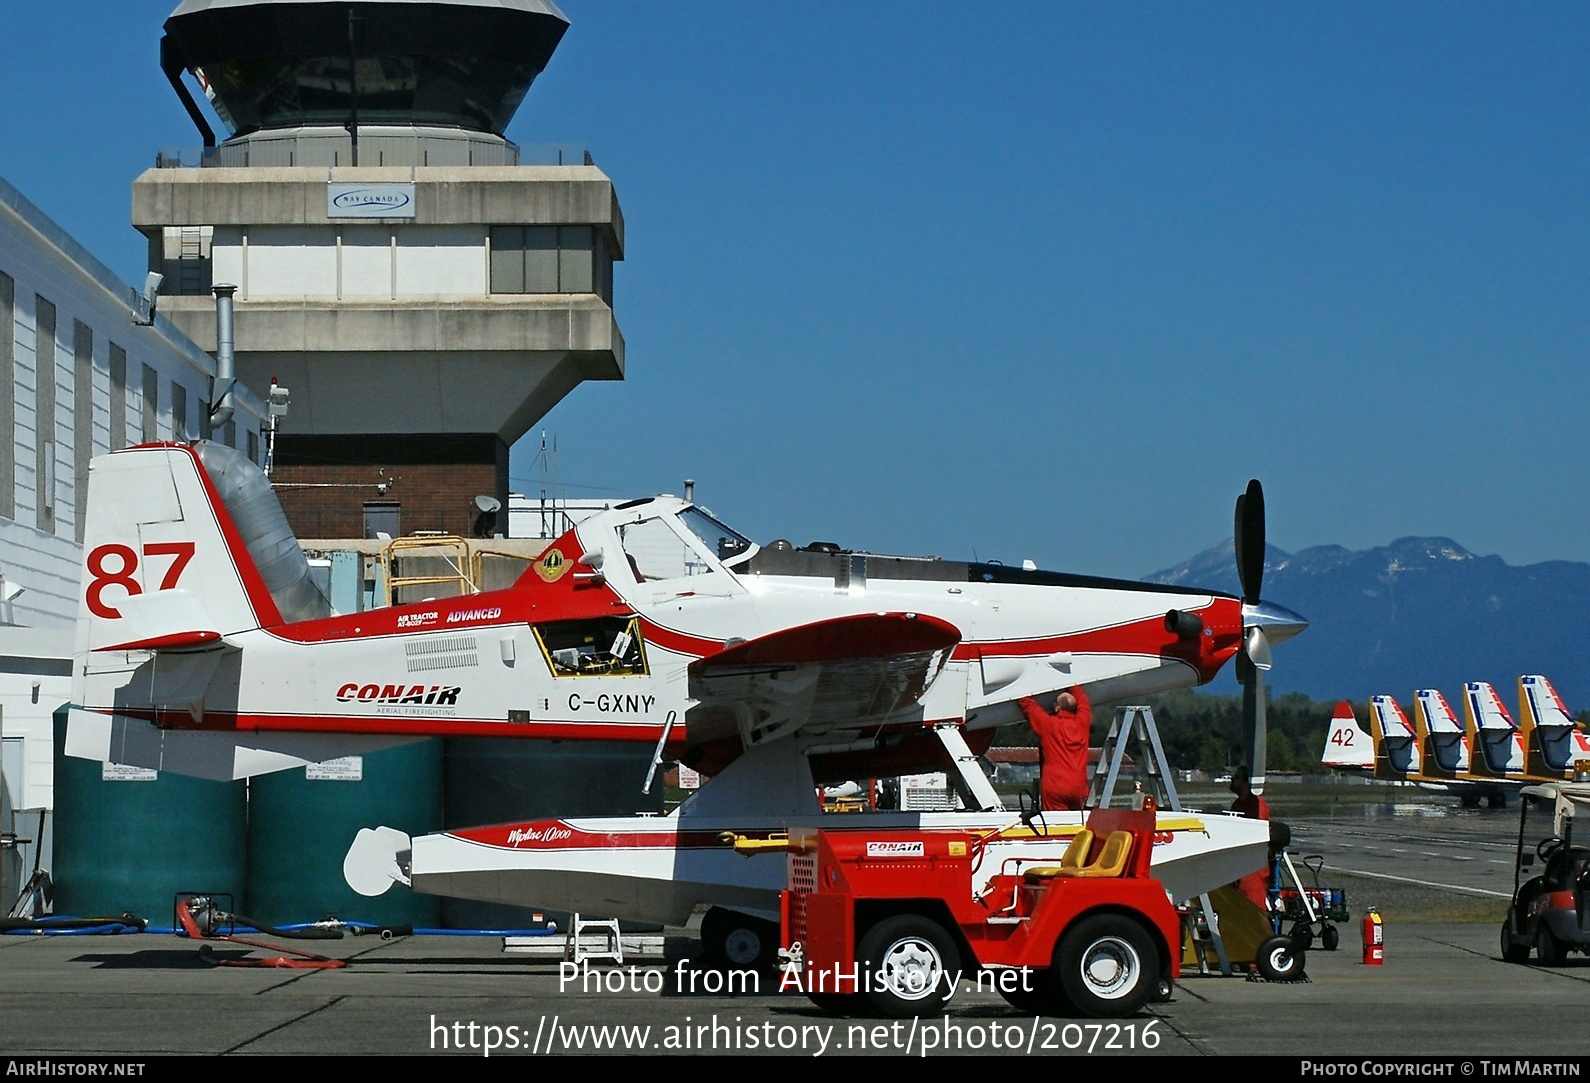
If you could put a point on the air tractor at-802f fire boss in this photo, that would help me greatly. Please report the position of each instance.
(203, 647)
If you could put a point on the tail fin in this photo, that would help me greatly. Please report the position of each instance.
(1493, 752)
(182, 546)
(1548, 730)
(1347, 746)
(1440, 735)
(1396, 744)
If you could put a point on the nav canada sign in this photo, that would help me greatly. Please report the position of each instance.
(369, 201)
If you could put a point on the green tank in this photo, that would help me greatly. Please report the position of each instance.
(126, 842)
(300, 828)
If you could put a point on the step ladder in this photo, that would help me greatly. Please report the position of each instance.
(579, 945)
(1133, 726)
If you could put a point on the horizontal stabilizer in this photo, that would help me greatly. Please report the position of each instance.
(224, 757)
(164, 620)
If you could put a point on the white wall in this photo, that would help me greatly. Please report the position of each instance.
(290, 261)
(352, 261)
(43, 261)
(28, 712)
(440, 261)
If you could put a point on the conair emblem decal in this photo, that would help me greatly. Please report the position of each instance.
(552, 565)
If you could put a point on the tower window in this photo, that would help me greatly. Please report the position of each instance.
(550, 259)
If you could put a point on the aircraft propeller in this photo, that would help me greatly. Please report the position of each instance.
(1263, 624)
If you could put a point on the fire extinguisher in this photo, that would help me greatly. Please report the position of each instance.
(1374, 933)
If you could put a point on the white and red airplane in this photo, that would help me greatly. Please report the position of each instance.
(203, 647)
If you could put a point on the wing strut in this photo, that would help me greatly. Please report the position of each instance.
(975, 788)
(656, 757)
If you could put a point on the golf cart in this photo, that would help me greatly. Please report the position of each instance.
(1550, 911)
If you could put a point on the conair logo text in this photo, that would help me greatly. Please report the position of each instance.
(432, 699)
(896, 849)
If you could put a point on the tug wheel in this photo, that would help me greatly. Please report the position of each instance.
(1043, 995)
(911, 963)
(1108, 966)
(738, 941)
(839, 1003)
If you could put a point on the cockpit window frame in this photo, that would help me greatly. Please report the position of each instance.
(560, 671)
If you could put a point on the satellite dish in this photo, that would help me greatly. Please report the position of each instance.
(488, 504)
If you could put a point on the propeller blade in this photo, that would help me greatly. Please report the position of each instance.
(1254, 737)
(1254, 659)
(1237, 541)
(1256, 645)
(1249, 541)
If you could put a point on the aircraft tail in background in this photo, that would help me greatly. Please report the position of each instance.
(1444, 752)
(1346, 746)
(1396, 743)
(1495, 750)
(1552, 740)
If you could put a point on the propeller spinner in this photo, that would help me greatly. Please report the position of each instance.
(1263, 624)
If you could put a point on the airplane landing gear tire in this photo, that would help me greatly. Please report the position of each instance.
(1280, 960)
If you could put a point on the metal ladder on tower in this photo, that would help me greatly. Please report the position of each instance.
(1133, 726)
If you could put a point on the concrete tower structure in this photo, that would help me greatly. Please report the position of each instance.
(425, 295)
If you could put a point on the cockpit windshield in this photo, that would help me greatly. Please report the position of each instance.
(728, 544)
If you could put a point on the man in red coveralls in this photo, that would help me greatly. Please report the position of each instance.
(1062, 747)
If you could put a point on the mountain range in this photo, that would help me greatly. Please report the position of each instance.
(1418, 613)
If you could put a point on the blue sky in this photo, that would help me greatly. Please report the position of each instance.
(1028, 280)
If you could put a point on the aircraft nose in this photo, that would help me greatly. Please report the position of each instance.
(1279, 623)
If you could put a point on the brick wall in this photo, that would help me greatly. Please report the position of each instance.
(325, 482)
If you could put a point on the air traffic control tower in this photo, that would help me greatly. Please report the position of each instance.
(424, 294)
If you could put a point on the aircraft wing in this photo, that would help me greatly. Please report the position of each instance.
(821, 683)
